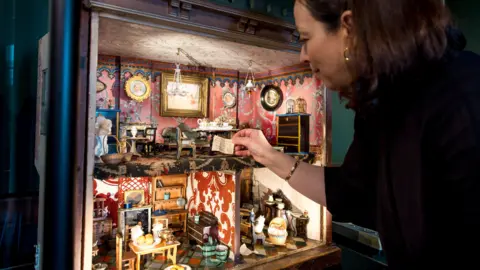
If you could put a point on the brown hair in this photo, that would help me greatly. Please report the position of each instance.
(388, 37)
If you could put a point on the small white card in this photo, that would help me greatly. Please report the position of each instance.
(223, 145)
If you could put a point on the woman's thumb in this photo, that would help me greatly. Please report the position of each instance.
(244, 141)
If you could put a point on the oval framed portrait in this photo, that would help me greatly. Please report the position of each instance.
(100, 86)
(229, 100)
(137, 88)
(271, 97)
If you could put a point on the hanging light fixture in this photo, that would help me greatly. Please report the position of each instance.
(250, 81)
(177, 88)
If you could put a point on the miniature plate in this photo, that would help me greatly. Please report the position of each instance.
(156, 242)
(186, 267)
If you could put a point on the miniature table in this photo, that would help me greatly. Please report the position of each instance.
(171, 250)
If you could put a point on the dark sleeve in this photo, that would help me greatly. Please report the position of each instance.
(350, 189)
(454, 133)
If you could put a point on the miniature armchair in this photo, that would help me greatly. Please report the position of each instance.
(183, 142)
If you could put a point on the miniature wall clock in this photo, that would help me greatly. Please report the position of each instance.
(271, 97)
(137, 88)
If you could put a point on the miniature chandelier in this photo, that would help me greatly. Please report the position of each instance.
(177, 88)
(250, 81)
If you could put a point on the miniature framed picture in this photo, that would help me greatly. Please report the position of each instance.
(135, 197)
(271, 97)
(229, 100)
(137, 88)
(186, 99)
(101, 86)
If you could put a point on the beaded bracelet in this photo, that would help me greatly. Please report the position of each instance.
(292, 170)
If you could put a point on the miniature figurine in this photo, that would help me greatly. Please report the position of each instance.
(252, 216)
(103, 128)
(259, 224)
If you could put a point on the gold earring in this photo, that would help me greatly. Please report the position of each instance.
(345, 55)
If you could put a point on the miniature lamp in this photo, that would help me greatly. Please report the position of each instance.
(250, 79)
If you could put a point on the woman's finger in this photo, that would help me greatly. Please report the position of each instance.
(243, 153)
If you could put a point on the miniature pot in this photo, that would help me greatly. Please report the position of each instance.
(222, 253)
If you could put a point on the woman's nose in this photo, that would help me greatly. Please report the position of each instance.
(304, 56)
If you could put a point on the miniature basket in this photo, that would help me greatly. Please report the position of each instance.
(112, 159)
(277, 231)
(116, 158)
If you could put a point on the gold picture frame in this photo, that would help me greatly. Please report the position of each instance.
(138, 88)
(135, 197)
(191, 100)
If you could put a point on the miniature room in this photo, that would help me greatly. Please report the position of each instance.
(167, 190)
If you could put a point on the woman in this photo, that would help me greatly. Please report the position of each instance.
(412, 171)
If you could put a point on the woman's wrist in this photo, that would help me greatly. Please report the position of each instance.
(279, 163)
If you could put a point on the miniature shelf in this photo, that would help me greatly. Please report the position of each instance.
(167, 164)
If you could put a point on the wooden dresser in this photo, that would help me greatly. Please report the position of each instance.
(293, 132)
(201, 230)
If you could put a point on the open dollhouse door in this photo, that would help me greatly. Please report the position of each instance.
(41, 133)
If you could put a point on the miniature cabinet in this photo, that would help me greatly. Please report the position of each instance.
(293, 132)
(175, 186)
(197, 232)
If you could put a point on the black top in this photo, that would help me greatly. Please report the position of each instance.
(412, 171)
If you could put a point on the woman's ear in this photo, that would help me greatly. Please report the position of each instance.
(346, 23)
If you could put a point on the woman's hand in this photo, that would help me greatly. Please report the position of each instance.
(252, 142)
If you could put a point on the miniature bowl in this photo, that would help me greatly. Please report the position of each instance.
(127, 157)
(112, 159)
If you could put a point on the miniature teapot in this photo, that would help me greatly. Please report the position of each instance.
(202, 122)
(157, 228)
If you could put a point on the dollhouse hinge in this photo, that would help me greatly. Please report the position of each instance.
(180, 9)
(246, 25)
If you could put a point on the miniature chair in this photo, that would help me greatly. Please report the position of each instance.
(183, 142)
(149, 146)
(95, 251)
(126, 259)
(99, 208)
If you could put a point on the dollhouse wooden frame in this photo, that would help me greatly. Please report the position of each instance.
(187, 16)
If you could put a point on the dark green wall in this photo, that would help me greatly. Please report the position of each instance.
(342, 129)
(466, 15)
(24, 23)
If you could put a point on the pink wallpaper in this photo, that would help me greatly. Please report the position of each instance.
(114, 72)
(294, 81)
(213, 191)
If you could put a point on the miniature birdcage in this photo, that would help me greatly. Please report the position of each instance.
(290, 105)
(300, 105)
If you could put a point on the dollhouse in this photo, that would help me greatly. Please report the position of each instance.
(160, 197)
